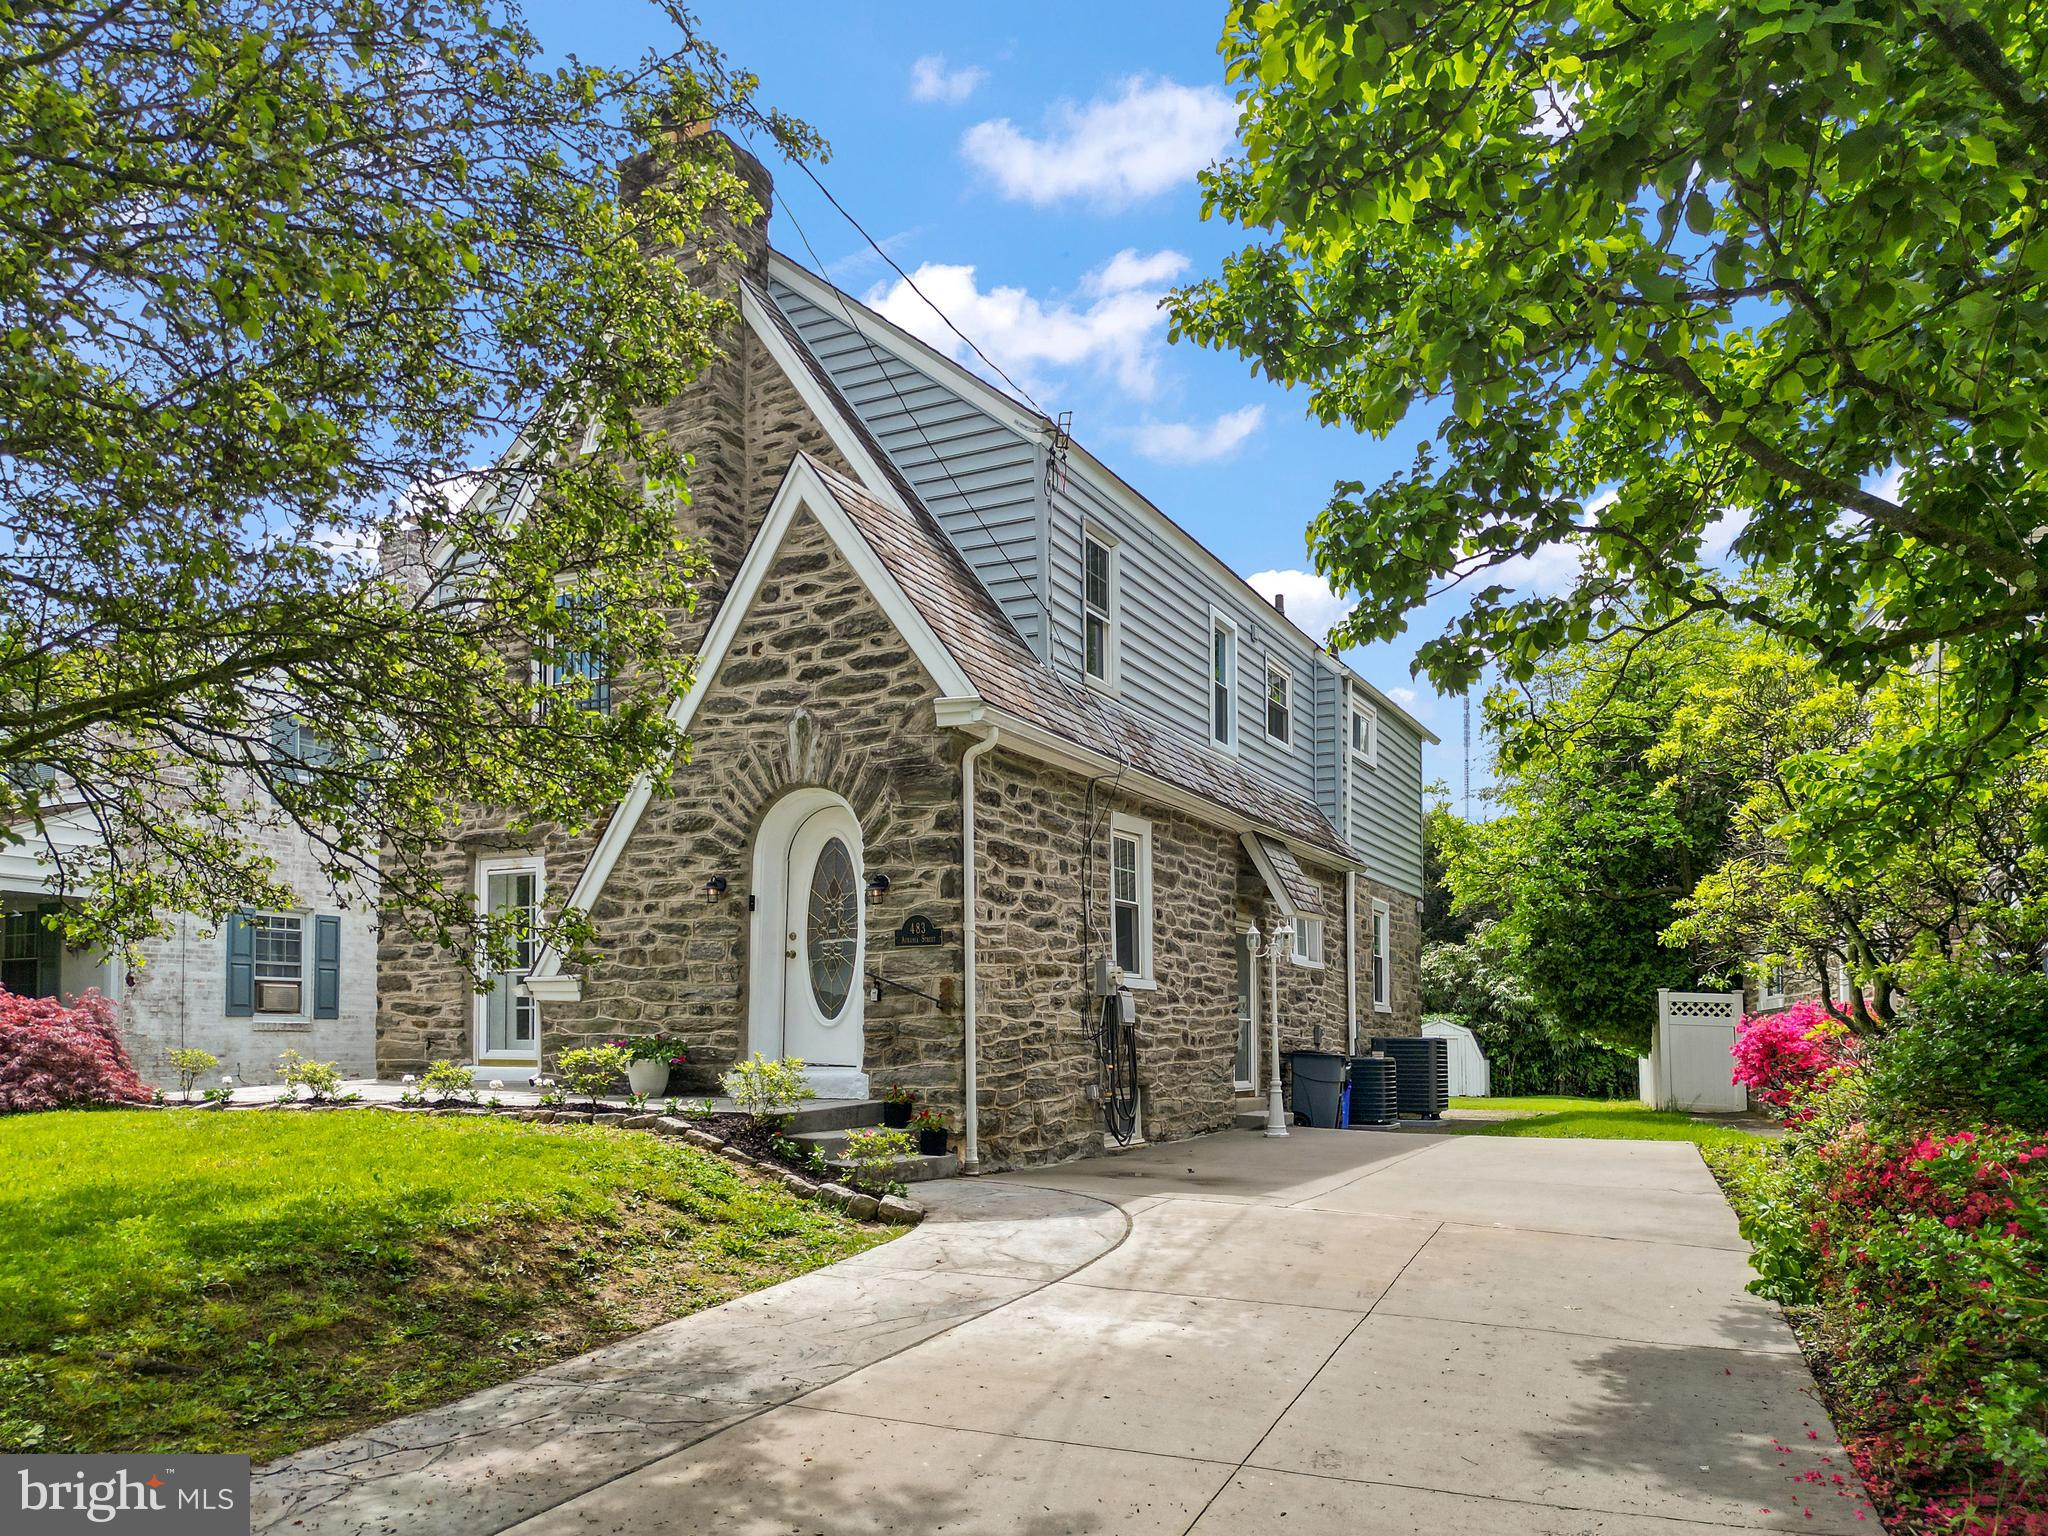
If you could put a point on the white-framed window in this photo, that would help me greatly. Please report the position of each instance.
(1280, 703)
(1222, 682)
(586, 668)
(1382, 957)
(1130, 898)
(277, 947)
(1307, 948)
(1098, 608)
(507, 1018)
(1770, 990)
(1365, 733)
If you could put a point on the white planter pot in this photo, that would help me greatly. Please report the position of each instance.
(647, 1077)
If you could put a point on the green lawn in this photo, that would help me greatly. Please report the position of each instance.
(253, 1282)
(1597, 1120)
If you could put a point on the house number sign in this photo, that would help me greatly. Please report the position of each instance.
(918, 929)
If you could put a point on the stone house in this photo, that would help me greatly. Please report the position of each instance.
(971, 715)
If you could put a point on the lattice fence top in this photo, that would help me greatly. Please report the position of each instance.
(1703, 1007)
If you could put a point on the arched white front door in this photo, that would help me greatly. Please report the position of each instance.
(810, 942)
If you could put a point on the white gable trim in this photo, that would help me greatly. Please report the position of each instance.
(814, 396)
(802, 490)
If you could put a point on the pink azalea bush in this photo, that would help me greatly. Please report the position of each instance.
(58, 1055)
(1782, 1057)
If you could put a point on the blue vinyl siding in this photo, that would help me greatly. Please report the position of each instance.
(1386, 808)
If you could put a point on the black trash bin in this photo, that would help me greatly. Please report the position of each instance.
(1319, 1082)
(1373, 1099)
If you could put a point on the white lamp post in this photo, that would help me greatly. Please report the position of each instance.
(1276, 1109)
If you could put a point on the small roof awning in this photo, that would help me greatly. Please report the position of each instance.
(1298, 895)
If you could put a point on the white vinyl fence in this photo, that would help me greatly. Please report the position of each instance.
(1691, 1065)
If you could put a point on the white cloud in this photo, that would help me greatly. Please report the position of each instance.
(930, 80)
(1310, 602)
(1405, 697)
(1552, 569)
(1113, 323)
(1116, 150)
(1192, 442)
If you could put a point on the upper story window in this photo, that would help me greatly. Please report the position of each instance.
(1365, 733)
(1098, 608)
(1222, 682)
(1280, 702)
(1130, 898)
(586, 667)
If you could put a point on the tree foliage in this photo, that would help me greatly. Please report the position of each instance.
(1474, 980)
(275, 276)
(1596, 841)
(1658, 265)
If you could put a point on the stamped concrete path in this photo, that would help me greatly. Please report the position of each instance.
(1340, 1332)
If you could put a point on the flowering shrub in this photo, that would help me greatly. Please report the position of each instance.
(1924, 1256)
(55, 1055)
(1782, 1057)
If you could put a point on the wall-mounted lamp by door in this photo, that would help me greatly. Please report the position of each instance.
(878, 887)
(716, 887)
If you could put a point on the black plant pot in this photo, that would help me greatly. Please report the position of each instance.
(896, 1116)
(931, 1143)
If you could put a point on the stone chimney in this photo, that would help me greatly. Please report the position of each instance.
(708, 420)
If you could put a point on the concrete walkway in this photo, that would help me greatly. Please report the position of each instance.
(1339, 1332)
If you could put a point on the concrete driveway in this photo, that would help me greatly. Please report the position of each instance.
(1339, 1332)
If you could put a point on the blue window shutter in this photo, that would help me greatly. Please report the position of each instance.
(326, 967)
(241, 967)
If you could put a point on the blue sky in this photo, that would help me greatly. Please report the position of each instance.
(1035, 170)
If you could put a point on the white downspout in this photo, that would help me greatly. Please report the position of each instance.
(1351, 961)
(970, 1130)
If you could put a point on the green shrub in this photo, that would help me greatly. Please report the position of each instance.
(870, 1157)
(1922, 1249)
(766, 1089)
(191, 1064)
(1973, 1044)
(320, 1079)
(448, 1080)
(591, 1069)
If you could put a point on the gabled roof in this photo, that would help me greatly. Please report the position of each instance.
(1298, 895)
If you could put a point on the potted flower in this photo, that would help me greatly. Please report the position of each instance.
(896, 1104)
(648, 1061)
(930, 1126)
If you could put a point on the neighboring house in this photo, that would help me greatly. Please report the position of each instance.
(302, 978)
(944, 651)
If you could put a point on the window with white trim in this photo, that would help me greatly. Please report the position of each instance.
(508, 1022)
(1130, 898)
(278, 953)
(1222, 682)
(1382, 957)
(1770, 991)
(1098, 608)
(1280, 702)
(1365, 733)
(1307, 948)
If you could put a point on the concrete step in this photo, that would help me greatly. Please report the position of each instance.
(914, 1169)
(834, 1115)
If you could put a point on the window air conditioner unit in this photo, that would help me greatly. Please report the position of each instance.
(277, 997)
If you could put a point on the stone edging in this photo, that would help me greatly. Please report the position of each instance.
(893, 1210)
